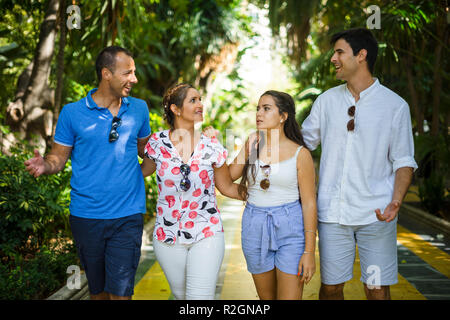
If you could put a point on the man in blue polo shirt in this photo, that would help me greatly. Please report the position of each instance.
(103, 133)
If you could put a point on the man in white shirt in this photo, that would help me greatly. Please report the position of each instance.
(366, 167)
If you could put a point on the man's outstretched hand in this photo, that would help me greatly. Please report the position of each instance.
(36, 165)
(390, 212)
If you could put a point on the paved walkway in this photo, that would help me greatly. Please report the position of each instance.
(424, 265)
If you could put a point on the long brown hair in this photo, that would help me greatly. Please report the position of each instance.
(291, 129)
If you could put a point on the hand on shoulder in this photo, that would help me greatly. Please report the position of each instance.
(210, 132)
(252, 140)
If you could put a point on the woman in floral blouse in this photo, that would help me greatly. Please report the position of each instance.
(188, 237)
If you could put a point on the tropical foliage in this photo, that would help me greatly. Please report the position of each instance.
(172, 41)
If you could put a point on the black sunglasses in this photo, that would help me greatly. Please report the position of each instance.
(113, 134)
(185, 183)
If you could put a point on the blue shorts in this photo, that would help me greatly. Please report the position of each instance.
(273, 237)
(109, 251)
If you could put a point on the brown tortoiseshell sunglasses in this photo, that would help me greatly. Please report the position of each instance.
(265, 183)
(351, 122)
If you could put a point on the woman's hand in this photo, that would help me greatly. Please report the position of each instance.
(307, 267)
(210, 132)
(253, 139)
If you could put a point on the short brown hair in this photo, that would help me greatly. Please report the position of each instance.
(107, 59)
(358, 39)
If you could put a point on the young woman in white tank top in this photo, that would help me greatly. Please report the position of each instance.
(280, 220)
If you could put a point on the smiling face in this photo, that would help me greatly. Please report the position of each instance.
(345, 62)
(122, 78)
(268, 114)
(192, 109)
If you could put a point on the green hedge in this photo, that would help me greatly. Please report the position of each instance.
(38, 277)
(35, 238)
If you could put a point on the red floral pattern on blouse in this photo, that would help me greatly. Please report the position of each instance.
(187, 215)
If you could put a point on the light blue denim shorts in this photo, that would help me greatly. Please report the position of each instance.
(273, 237)
(377, 249)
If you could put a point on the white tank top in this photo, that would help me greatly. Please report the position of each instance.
(283, 183)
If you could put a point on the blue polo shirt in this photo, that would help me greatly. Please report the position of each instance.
(107, 181)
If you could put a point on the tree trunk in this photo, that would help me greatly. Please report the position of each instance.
(442, 35)
(34, 99)
(60, 64)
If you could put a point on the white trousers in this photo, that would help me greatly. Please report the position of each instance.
(192, 270)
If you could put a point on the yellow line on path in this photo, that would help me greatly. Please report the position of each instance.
(153, 285)
(412, 194)
(435, 257)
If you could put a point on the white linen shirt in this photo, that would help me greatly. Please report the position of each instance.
(357, 168)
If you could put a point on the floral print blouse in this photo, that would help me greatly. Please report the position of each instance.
(191, 215)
